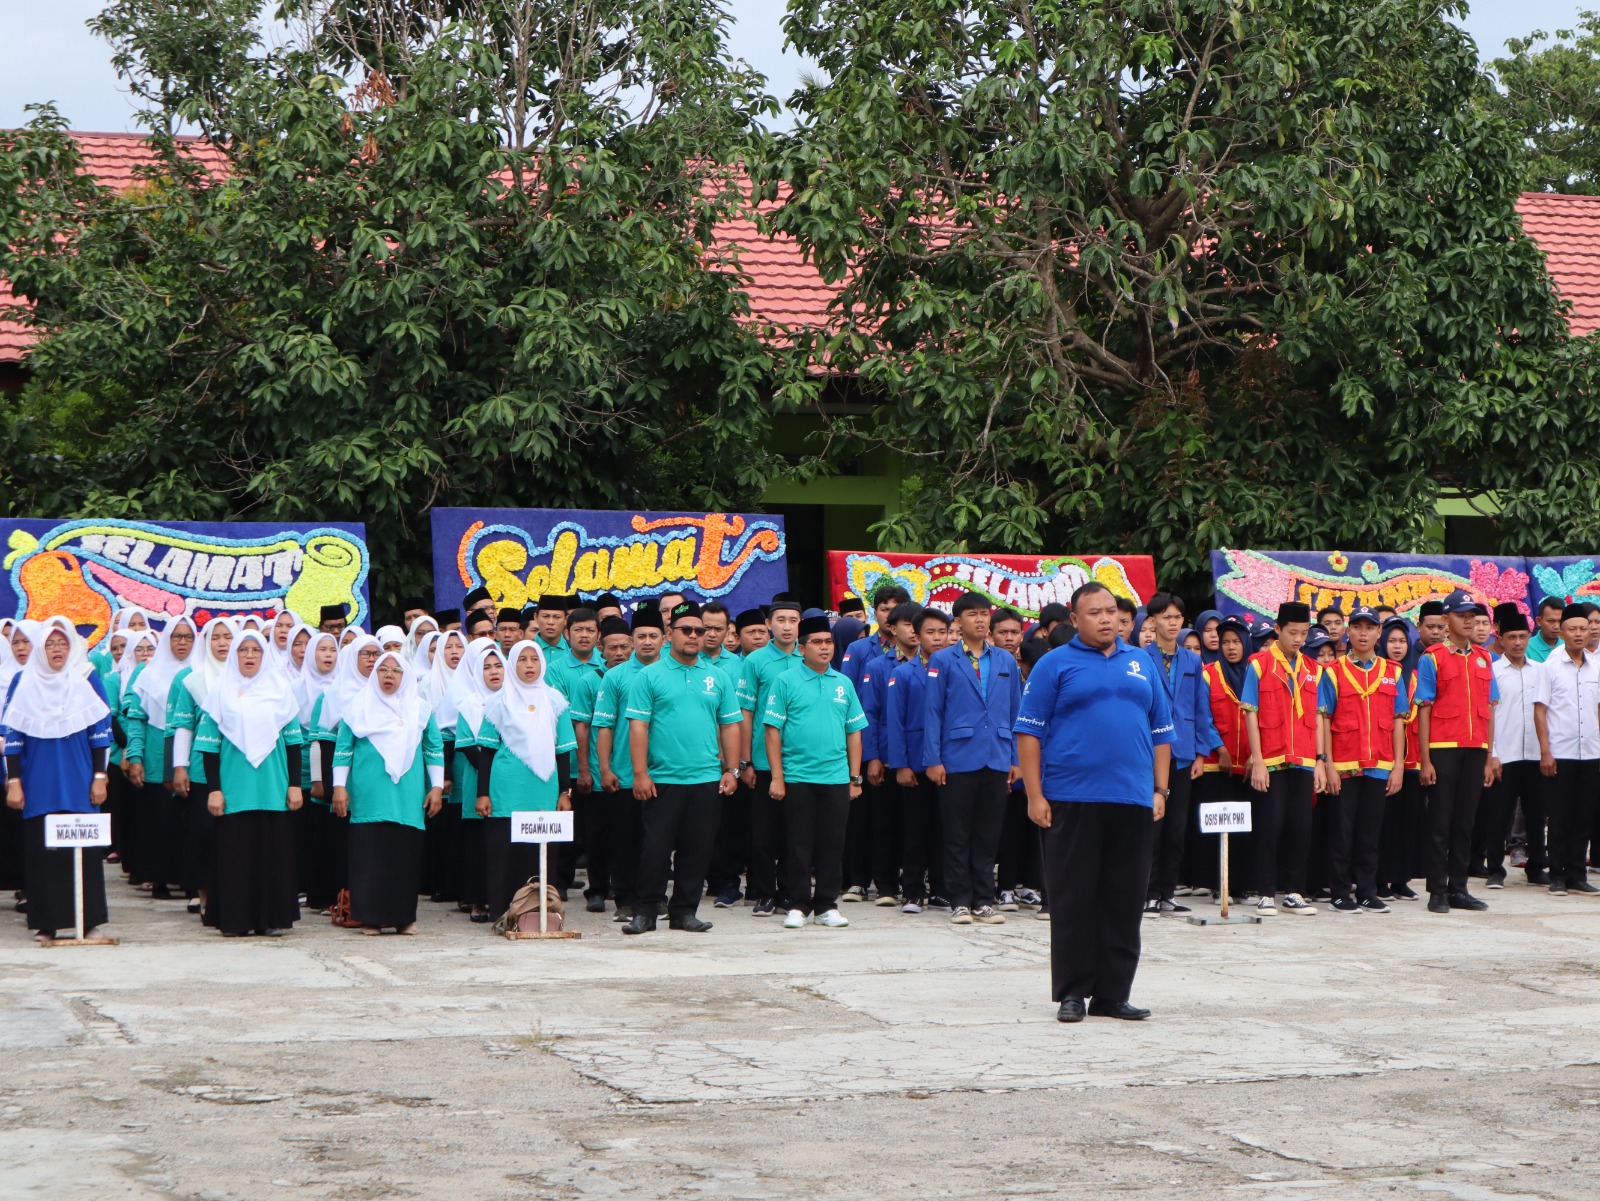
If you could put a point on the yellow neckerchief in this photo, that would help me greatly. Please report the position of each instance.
(1291, 674)
(1377, 666)
(1223, 680)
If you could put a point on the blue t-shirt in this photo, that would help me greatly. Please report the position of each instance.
(1098, 719)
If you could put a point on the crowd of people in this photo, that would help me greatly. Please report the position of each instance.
(791, 762)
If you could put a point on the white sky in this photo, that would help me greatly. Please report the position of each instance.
(47, 54)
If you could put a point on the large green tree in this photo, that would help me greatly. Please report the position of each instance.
(1550, 92)
(1168, 275)
(443, 254)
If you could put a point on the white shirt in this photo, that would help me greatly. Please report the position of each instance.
(1514, 738)
(1570, 693)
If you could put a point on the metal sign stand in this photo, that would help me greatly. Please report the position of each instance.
(78, 939)
(1224, 917)
(544, 838)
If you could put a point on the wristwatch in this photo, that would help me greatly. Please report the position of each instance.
(856, 780)
(744, 763)
(1322, 758)
(1165, 792)
(99, 775)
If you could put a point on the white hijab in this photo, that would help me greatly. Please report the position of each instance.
(126, 664)
(438, 684)
(388, 634)
(525, 714)
(121, 622)
(55, 704)
(392, 724)
(251, 711)
(468, 693)
(8, 666)
(311, 683)
(155, 681)
(289, 665)
(206, 668)
(419, 659)
(347, 682)
(414, 639)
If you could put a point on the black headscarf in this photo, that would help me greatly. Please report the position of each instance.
(1408, 665)
(1233, 673)
(1200, 622)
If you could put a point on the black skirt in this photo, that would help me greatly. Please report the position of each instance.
(12, 856)
(474, 868)
(48, 870)
(385, 865)
(510, 864)
(253, 884)
(199, 835)
(161, 835)
(442, 862)
(330, 858)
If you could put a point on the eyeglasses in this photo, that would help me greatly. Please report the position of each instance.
(692, 631)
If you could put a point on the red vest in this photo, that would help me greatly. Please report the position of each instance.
(1229, 720)
(1287, 712)
(1461, 699)
(1363, 720)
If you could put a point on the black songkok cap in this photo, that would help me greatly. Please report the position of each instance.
(552, 600)
(750, 617)
(528, 615)
(814, 625)
(478, 618)
(648, 617)
(684, 609)
(1430, 609)
(851, 604)
(1503, 611)
(784, 601)
(1578, 610)
(446, 617)
(608, 600)
(413, 602)
(1292, 611)
(476, 596)
(968, 601)
(613, 625)
(1514, 622)
(333, 613)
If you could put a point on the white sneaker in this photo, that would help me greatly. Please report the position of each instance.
(1008, 901)
(1266, 908)
(911, 907)
(854, 893)
(961, 916)
(832, 919)
(795, 921)
(987, 916)
(1293, 902)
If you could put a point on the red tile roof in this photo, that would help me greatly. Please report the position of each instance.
(786, 290)
(1567, 229)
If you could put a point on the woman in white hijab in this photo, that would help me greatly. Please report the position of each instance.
(481, 674)
(122, 805)
(250, 744)
(420, 629)
(190, 687)
(144, 718)
(58, 740)
(19, 644)
(525, 750)
(322, 866)
(441, 861)
(354, 665)
(388, 775)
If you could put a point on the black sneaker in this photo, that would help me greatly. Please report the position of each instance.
(1438, 902)
(1404, 892)
(1385, 893)
(1152, 908)
(1495, 880)
(1174, 907)
(1465, 900)
(1344, 905)
(939, 903)
(728, 899)
(763, 909)
(1538, 876)
(1582, 886)
(595, 905)
(1374, 905)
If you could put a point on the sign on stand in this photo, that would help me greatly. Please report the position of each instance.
(542, 827)
(78, 830)
(1225, 818)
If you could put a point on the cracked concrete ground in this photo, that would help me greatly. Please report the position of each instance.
(1408, 1057)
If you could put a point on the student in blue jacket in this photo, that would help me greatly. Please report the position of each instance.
(921, 864)
(973, 692)
(880, 800)
(1194, 736)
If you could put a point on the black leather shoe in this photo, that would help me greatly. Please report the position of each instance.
(1071, 1010)
(1117, 1009)
(692, 924)
(1465, 900)
(596, 905)
(1536, 876)
(640, 923)
(1438, 902)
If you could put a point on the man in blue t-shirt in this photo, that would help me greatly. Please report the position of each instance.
(1093, 739)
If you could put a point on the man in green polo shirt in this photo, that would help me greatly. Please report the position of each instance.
(684, 742)
(1547, 634)
(589, 802)
(761, 668)
(813, 725)
(611, 731)
(549, 623)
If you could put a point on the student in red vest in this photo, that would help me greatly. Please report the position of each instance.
(1223, 778)
(1286, 758)
(1364, 706)
(1456, 694)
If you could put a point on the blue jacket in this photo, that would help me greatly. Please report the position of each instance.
(1188, 696)
(964, 730)
(904, 699)
(874, 684)
(857, 655)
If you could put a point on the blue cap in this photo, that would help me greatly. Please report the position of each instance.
(1364, 613)
(1262, 626)
(1460, 601)
(1318, 638)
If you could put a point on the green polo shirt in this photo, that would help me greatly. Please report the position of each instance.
(247, 789)
(685, 705)
(609, 704)
(555, 653)
(1538, 649)
(374, 797)
(580, 708)
(814, 711)
(760, 669)
(513, 788)
(567, 673)
(729, 666)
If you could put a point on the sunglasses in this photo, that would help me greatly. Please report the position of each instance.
(692, 631)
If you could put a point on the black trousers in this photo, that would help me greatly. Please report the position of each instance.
(48, 878)
(679, 828)
(921, 858)
(766, 840)
(859, 850)
(474, 862)
(972, 807)
(814, 820)
(625, 824)
(1519, 784)
(1570, 794)
(592, 818)
(1281, 821)
(732, 850)
(1452, 808)
(508, 865)
(1171, 836)
(1203, 858)
(883, 805)
(1355, 825)
(1096, 868)
(1018, 859)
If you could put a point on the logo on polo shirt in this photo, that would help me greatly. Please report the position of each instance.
(1133, 669)
(711, 683)
(838, 694)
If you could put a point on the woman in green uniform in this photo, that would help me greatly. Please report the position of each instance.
(250, 744)
(354, 665)
(141, 645)
(189, 690)
(442, 857)
(388, 773)
(525, 750)
(482, 673)
(145, 718)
